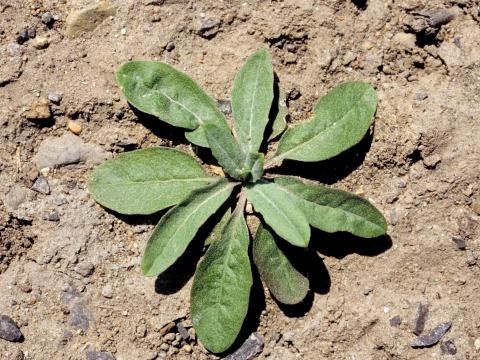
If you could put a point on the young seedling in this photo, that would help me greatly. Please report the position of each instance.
(149, 180)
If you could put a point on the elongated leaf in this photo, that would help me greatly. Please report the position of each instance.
(146, 181)
(280, 121)
(180, 224)
(279, 210)
(285, 282)
(333, 210)
(218, 228)
(252, 97)
(226, 150)
(255, 164)
(341, 119)
(221, 287)
(158, 89)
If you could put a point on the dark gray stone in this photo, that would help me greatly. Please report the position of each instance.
(80, 316)
(170, 46)
(183, 331)
(448, 347)
(420, 313)
(460, 242)
(225, 106)
(249, 349)
(99, 355)
(9, 330)
(41, 185)
(209, 28)
(53, 216)
(47, 18)
(432, 337)
(396, 321)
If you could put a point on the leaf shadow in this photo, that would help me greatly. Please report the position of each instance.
(332, 170)
(274, 109)
(341, 244)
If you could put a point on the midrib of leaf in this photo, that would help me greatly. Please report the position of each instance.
(158, 181)
(158, 91)
(198, 207)
(233, 163)
(278, 209)
(282, 156)
(356, 216)
(250, 121)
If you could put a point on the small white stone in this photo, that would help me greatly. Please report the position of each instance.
(123, 31)
(477, 344)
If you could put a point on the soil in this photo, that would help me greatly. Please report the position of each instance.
(69, 274)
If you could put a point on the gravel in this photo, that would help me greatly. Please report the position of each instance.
(9, 330)
(41, 185)
(249, 349)
(432, 337)
(420, 313)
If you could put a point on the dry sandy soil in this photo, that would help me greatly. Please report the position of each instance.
(69, 274)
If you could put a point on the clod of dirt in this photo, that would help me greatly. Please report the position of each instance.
(9, 330)
(107, 291)
(15, 197)
(431, 161)
(41, 185)
(429, 22)
(432, 337)
(40, 110)
(99, 355)
(40, 43)
(249, 349)
(85, 268)
(67, 149)
(420, 313)
(448, 347)
(87, 19)
(471, 258)
(74, 126)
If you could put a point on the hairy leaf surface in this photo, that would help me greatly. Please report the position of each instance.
(160, 90)
(218, 228)
(342, 117)
(146, 181)
(179, 225)
(252, 97)
(333, 210)
(279, 210)
(221, 287)
(280, 121)
(285, 282)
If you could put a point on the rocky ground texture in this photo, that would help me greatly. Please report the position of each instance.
(71, 287)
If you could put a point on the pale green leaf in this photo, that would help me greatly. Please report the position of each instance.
(160, 90)
(341, 119)
(218, 228)
(226, 150)
(279, 210)
(252, 97)
(146, 181)
(221, 287)
(197, 137)
(180, 224)
(285, 282)
(255, 164)
(279, 123)
(333, 210)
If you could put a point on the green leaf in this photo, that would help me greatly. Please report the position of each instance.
(255, 166)
(218, 228)
(252, 97)
(180, 224)
(341, 119)
(279, 210)
(158, 89)
(280, 121)
(221, 287)
(285, 282)
(333, 210)
(226, 150)
(146, 181)
(197, 137)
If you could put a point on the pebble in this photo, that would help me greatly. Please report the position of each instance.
(187, 348)
(40, 110)
(41, 185)
(420, 96)
(87, 19)
(459, 242)
(225, 106)
(25, 285)
(432, 161)
(367, 291)
(471, 259)
(448, 347)
(85, 268)
(107, 291)
(420, 313)
(119, 114)
(26, 34)
(9, 330)
(54, 98)
(169, 337)
(249, 349)
(40, 43)
(183, 331)
(99, 355)
(47, 18)
(395, 321)
(74, 126)
(53, 216)
(432, 337)
(167, 328)
(477, 344)
(476, 205)
(209, 28)
(170, 46)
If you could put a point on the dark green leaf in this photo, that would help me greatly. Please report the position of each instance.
(280, 121)
(146, 181)
(285, 282)
(255, 164)
(158, 89)
(251, 100)
(280, 211)
(221, 287)
(341, 119)
(180, 224)
(333, 210)
(218, 228)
